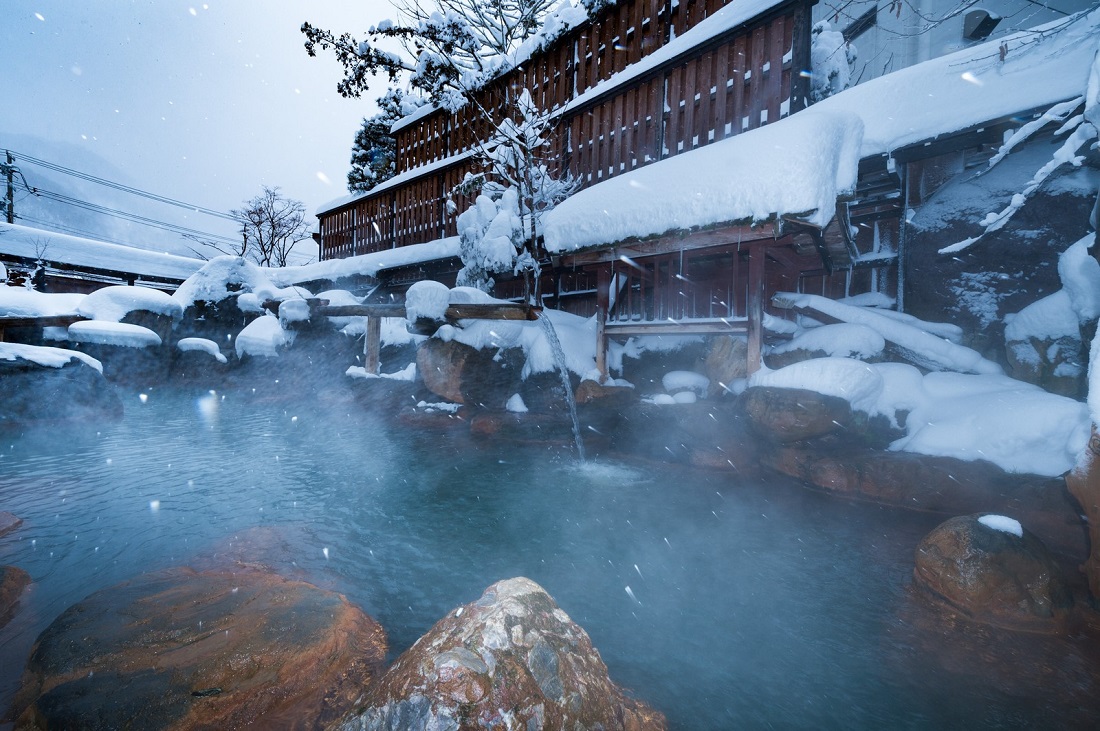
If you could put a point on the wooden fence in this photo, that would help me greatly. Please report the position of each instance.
(735, 81)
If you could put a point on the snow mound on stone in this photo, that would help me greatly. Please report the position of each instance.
(202, 345)
(228, 276)
(854, 381)
(264, 336)
(114, 303)
(22, 302)
(100, 332)
(45, 356)
(1003, 524)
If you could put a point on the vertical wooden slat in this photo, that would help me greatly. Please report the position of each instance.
(776, 49)
(617, 125)
(690, 89)
(603, 300)
(740, 62)
(756, 81)
(755, 312)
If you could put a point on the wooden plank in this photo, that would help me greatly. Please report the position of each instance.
(677, 327)
(691, 90)
(603, 299)
(774, 79)
(740, 62)
(618, 122)
(757, 89)
(672, 115)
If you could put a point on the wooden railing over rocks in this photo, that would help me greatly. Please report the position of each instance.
(737, 80)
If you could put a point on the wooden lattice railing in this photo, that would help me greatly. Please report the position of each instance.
(738, 80)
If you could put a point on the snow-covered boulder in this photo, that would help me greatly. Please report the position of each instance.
(263, 337)
(197, 359)
(842, 340)
(511, 659)
(53, 384)
(994, 571)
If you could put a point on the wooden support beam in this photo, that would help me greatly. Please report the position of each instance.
(603, 303)
(489, 311)
(682, 327)
(757, 255)
(372, 345)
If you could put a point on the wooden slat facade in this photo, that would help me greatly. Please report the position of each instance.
(735, 82)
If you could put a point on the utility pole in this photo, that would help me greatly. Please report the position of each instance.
(9, 173)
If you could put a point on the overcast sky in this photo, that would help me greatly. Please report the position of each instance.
(204, 102)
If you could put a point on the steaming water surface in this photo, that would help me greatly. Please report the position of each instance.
(719, 602)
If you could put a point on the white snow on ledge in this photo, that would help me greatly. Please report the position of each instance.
(104, 332)
(1003, 524)
(45, 356)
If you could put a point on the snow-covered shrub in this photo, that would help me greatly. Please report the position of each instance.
(831, 59)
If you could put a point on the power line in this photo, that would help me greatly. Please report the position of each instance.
(119, 186)
(133, 217)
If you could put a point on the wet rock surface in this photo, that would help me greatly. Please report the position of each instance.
(74, 392)
(460, 374)
(788, 415)
(182, 649)
(993, 575)
(13, 581)
(939, 485)
(512, 659)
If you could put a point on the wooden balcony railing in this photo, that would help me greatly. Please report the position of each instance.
(732, 82)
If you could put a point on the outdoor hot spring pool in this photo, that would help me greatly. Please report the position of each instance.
(749, 605)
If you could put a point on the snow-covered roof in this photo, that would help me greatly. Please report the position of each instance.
(799, 164)
(367, 264)
(796, 166)
(27, 243)
(1041, 66)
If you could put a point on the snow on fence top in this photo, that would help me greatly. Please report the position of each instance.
(32, 243)
(1040, 67)
(796, 166)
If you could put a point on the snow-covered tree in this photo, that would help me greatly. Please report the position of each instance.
(374, 150)
(271, 225)
(500, 232)
(831, 59)
(442, 52)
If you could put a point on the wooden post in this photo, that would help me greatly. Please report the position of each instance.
(373, 344)
(756, 307)
(603, 302)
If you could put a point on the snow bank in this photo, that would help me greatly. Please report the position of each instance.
(920, 346)
(1015, 425)
(1052, 317)
(799, 166)
(114, 303)
(105, 332)
(46, 357)
(203, 345)
(27, 243)
(22, 302)
(841, 341)
(972, 86)
(1080, 275)
(1003, 524)
(263, 337)
(695, 383)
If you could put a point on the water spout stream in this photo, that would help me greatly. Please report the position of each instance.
(563, 371)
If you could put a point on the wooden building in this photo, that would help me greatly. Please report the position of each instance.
(644, 81)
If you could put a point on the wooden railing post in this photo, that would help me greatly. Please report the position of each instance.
(372, 345)
(603, 303)
(757, 254)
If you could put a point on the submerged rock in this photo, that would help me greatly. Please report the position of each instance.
(181, 649)
(512, 659)
(9, 522)
(994, 571)
(13, 581)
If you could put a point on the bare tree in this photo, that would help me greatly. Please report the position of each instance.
(270, 227)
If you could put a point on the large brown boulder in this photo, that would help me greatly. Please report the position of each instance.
(994, 571)
(182, 649)
(788, 415)
(464, 375)
(512, 659)
(13, 581)
(726, 361)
